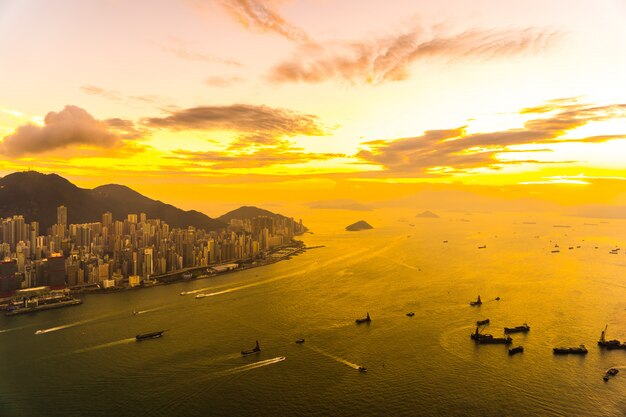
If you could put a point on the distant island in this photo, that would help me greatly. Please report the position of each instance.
(360, 225)
(428, 214)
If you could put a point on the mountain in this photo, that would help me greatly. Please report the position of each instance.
(36, 196)
(427, 214)
(248, 212)
(360, 225)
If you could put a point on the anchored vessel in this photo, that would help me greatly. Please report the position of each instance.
(151, 335)
(488, 339)
(581, 350)
(477, 302)
(609, 344)
(482, 322)
(516, 349)
(300, 341)
(519, 329)
(255, 349)
(367, 319)
(410, 314)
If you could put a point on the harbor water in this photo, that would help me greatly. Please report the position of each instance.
(86, 361)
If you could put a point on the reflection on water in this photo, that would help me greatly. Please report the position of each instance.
(426, 362)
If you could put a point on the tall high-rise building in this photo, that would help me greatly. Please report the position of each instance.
(62, 216)
(107, 219)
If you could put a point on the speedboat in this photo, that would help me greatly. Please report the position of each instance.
(300, 341)
(151, 335)
(362, 369)
(40, 332)
(202, 295)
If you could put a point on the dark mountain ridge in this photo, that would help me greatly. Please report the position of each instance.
(36, 196)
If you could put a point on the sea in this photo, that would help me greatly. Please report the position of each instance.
(85, 360)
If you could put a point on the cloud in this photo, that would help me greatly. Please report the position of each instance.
(453, 151)
(117, 96)
(228, 81)
(390, 58)
(251, 119)
(260, 15)
(71, 126)
(340, 205)
(180, 48)
(260, 158)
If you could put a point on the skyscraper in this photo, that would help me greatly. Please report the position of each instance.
(62, 216)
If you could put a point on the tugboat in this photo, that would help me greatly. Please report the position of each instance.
(367, 319)
(300, 341)
(581, 350)
(609, 344)
(482, 322)
(524, 328)
(477, 302)
(411, 314)
(255, 349)
(517, 349)
(152, 335)
(610, 372)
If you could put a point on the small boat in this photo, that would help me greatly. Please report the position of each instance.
(477, 302)
(556, 251)
(445, 241)
(518, 329)
(151, 335)
(300, 341)
(497, 298)
(135, 312)
(362, 369)
(187, 275)
(570, 248)
(255, 349)
(367, 319)
(517, 349)
(482, 322)
(581, 350)
(202, 295)
(609, 373)
(482, 247)
(410, 314)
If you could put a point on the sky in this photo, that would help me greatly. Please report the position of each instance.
(328, 104)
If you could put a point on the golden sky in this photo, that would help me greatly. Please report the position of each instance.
(330, 103)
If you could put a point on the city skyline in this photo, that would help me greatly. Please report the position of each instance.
(282, 101)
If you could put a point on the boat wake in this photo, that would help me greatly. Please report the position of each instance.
(249, 367)
(15, 328)
(395, 261)
(67, 326)
(335, 358)
(105, 345)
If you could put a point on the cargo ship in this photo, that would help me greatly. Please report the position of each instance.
(151, 335)
(581, 350)
(518, 329)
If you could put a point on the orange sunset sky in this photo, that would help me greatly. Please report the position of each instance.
(210, 104)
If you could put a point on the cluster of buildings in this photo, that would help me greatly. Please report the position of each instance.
(112, 252)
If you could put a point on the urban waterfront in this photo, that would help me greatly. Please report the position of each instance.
(87, 362)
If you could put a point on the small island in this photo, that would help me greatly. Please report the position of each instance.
(360, 225)
(428, 214)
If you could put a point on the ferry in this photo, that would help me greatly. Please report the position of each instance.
(43, 299)
(255, 349)
(151, 335)
(367, 319)
(518, 329)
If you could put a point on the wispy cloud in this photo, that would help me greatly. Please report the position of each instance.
(223, 81)
(259, 158)
(245, 118)
(113, 95)
(183, 50)
(453, 151)
(390, 58)
(262, 16)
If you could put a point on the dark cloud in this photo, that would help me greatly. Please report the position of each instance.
(390, 58)
(126, 129)
(453, 151)
(71, 126)
(251, 119)
(260, 15)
